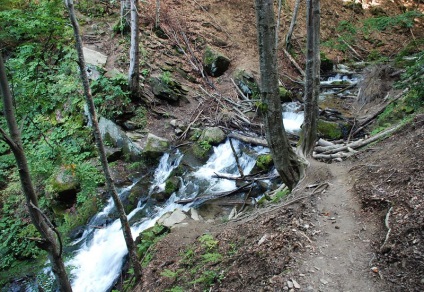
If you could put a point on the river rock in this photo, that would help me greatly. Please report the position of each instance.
(215, 63)
(155, 147)
(332, 130)
(93, 57)
(114, 135)
(171, 219)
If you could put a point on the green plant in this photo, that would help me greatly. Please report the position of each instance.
(205, 145)
(208, 241)
(166, 77)
(382, 23)
(280, 195)
(212, 258)
(170, 274)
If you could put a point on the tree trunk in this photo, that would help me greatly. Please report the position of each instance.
(280, 6)
(309, 129)
(125, 17)
(99, 142)
(53, 243)
(157, 19)
(285, 160)
(292, 24)
(134, 71)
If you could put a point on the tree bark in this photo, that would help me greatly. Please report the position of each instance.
(134, 70)
(125, 17)
(99, 142)
(157, 19)
(44, 226)
(309, 129)
(292, 24)
(285, 160)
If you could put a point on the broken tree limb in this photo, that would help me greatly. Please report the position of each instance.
(249, 177)
(324, 143)
(240, 169)
(203, 199)
(239, 91)
(293, 61)
(357, 55)
(250, 140)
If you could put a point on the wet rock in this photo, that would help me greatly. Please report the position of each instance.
(113, 154)
(155, 147)
(215, 63)
(114, 135)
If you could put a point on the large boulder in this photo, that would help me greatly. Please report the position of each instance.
(332, 130)
(168, 89)
(65, 185)
(215, 63)
(172, 219)
(114, 135)
(212, 135)
(155, 147)
(94, 58)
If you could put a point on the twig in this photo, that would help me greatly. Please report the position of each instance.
(183, 135)
(293, 61)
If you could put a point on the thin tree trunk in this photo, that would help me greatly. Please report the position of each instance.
(309, 129)
(52, 242)
(280, 6)
(292, 24)
(125, 17)
(99, 142)
(134, 71)
(157, 19)
(285, 160)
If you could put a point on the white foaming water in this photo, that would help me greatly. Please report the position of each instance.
(98, 263)
(292, 117)
(340, 78)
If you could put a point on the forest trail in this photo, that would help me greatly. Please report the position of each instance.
(341, 257)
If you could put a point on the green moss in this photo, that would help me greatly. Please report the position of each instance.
(171, 186)
(264, 162)
(285, 95)
(330, 130)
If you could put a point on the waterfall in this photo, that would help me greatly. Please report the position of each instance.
(292, 117)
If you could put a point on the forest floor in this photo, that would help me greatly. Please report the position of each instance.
(328, 234)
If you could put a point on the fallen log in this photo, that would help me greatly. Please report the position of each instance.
(356, 144)
(203, 199)
(250, 177)
(250, 140)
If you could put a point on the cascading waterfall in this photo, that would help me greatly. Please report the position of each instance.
(292, 117)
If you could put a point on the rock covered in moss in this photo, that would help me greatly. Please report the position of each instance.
(167, 88)
(65, 184)
(155, 147)
(285, 95)
(332, 130)
(212, 135)
(215, 63)
(264, 162)
(247, 83)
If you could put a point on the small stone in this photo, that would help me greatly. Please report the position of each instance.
(333, 218)
(290, 284)
(295, 284)
(285, 288)
(310, 288)
(301, 275)
(374, 269)
(337, 227)
(325, 282)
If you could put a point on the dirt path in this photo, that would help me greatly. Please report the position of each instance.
(342, 258)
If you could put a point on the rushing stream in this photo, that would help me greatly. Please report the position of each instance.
(100, 252)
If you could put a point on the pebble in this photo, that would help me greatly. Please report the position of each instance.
(285, 288)
(325, 282)
(337, 227)
(310, 288)
(301, 275)
(295, 284)
(290, 284)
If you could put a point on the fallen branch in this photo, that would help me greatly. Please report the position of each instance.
(240, 169)
(293, 61)
(183, 135)
(239, 91)
(201, 200)
(250, 140)
(389, 230)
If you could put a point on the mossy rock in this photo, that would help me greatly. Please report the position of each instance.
(285, 95)
(264, 162)
(155, 147)
(247, 83)
(212, 136)
(168, 90)
(326, 64)
(215, 63)
(65, 185)
(332, 130)
(148, 237)
(201, 151)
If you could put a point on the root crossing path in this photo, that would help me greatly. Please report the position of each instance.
(342, 257)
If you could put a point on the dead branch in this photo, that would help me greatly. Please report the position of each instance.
(389, 230)
(239, 91)
(236, 158)
(250, 140)
(358, 56)
(293, 61)
(183, 135)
